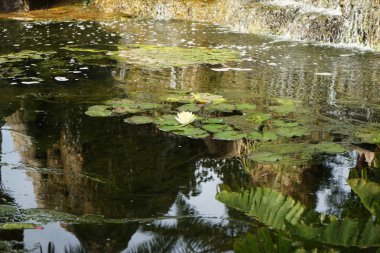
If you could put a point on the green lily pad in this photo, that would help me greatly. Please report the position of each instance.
(98, 111)
(282, 123)
(167, 120)
(292, 131)
(222, 107)
(169, 128)
(212, 121)
(215, 128)
(125, 110)
(266, 136)
(120, 102)
(206, 98)
(229, 135)
(17, 226)
(259, 117)
(146, 106)
(245, 107)
(189, 108)
(330, 148)
(139, 120)
(264, 156)
(191, 132)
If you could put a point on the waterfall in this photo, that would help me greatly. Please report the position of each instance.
(326, 21)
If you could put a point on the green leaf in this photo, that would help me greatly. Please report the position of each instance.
(268, 206)
(266, 136)
(215, 128)
(220, 107)
(229, 135)
(207, 98)
(264, 157)
(212, 121)
(191, 132)
(329, 148)
(292, 131)
(189, 108)
(245, 107)
(167, 119)
(259, 118)
(369, 194)
(98, 111)
(17, 226)
(138, 120)
(282, 123)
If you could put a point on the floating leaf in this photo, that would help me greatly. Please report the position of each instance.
(264, 156)
(17, 226)
(329, 148)
(266, 136)
(245, 107)
(282, 123)
(169, 128)
(292, 131)
(138, 120)
(189, 108)
(229, 135)
(98, 111)
(125, 109)
(168, 120)
(222, 107)
(177, 98)
(191, 132)
(215, 128)
(259, 117)
(212, 121)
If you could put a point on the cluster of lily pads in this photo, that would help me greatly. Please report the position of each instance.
(203, 115)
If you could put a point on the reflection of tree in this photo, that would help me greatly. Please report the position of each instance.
(186, 232)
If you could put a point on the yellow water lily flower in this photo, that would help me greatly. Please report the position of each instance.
(185, 118)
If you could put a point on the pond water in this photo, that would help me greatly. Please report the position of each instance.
(99, 184)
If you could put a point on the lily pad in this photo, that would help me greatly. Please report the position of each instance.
(178, 98)
(222, 107)
(264, 156)
(330, 148)
(169, 128)
(167, 120)
(189, 108)
(229, 135)
(98, 111)
(245, 107)
(212, 121)
(17, 226)
(215, 128)
(259, 118)
(282, 123)
(139, 120)
(191, 132)
(283, 109)
(125, 109)
(292, 131)
(266, 136)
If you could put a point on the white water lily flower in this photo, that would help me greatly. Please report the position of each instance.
(185, 118)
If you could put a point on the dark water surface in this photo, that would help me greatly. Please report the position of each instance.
(159, 188)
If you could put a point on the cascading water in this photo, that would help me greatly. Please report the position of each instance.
(327, 21)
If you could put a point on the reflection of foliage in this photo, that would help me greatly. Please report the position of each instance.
(280, 212)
